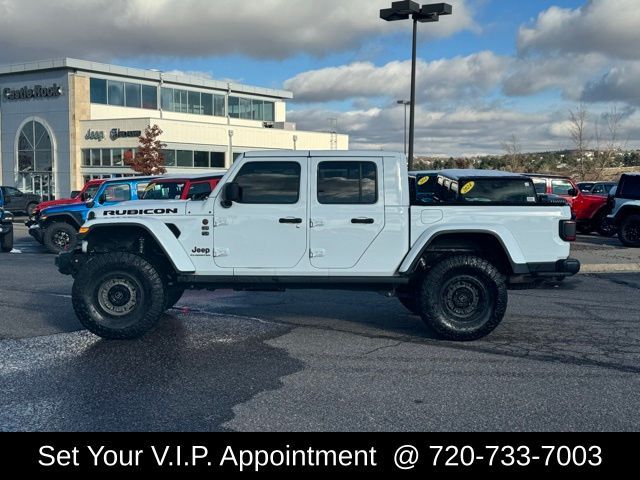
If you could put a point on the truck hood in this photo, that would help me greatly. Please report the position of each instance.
(143, 208)
(64, 208)
(55, 203)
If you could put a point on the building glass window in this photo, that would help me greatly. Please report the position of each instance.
(217, 160)
(269, 112)
(218, 106)
(234, 107)
(201, 159)
(194, 103)
(106, 157)
(149, 97)
(118, 160)
(207, 103)
(86, 158)
(257, 109)
(169, 158)
(245, 109)
(185, 158)
(133, 95)
(116, 93)
(167, 99)
(95, 157)
(98, 89)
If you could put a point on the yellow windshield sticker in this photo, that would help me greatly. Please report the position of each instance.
(468, 187)
(423, 181)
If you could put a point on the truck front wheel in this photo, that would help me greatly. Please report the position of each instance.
(7, 242)
(118, 296)
(60, 237)
(463, 298)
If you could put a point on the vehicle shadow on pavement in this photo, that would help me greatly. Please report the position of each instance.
(185, 376)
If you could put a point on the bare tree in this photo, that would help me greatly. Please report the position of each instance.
(578, 132)
(607, 150)
(513, 153)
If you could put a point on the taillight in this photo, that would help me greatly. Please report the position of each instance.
(568, 230)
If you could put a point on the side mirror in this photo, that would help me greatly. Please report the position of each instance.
(572, 193)
(90, 204)
(231, 193)
(75, 193)
(8, 216)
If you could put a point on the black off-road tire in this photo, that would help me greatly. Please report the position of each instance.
(173, 296)
(60, 237)
(605, 227)
(115, 281)
(463, 298)
(6, 243)
(629, 231)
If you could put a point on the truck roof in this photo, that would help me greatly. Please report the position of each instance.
(322, 153)
(130, 179)
(457, 174)
(191, 176)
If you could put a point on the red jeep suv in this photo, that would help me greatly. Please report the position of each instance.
(590, 210)
(186, 187)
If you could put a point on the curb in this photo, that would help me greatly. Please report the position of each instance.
(610, 268)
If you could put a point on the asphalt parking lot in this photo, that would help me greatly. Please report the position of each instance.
(566, 357)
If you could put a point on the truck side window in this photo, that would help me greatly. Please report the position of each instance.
(199, 191)
(347, 183)
(561, 187)
(541, 186)
(117, 193)
(269, 182)
(630, 187)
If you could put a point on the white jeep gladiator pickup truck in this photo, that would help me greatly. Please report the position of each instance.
(323, 220)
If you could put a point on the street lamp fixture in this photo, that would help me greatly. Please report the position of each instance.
(425, 14)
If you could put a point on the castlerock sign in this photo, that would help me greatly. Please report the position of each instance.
(35, 92)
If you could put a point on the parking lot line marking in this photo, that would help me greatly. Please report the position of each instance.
(610, 268)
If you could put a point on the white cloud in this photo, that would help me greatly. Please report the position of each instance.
(105, 29)
(609, 27)
(620, 84)
(447, 79)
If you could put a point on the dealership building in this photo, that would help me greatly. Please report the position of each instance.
(63, 122)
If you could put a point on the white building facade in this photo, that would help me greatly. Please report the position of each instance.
(66, 121)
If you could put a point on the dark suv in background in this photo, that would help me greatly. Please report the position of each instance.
(16, 201)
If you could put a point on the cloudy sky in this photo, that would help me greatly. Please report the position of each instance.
(492, 70)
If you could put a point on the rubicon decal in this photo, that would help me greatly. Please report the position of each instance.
(148, 211)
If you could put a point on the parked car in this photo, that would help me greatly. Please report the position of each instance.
(87, 193)
(590, 210)
(57, 226)
(585, 186)
(602, 188)
(19, 202)
(6, 230)
(189, 187)
(625, 215)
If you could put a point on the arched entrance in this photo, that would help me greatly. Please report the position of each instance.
(34, 166)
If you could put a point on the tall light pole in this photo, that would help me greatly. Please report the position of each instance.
(425, 14)
(406, 103)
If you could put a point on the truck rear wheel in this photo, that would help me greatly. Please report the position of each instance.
(629, 231)
(60, 237)
(7, 242)
(118, 296)
(463, 298)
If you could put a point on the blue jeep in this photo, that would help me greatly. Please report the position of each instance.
(57, 227)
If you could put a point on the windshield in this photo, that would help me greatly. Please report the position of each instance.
(164, 191)
(90, 192)
(501, 191)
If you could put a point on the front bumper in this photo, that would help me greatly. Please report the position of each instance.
(69, 263)
(36, 232)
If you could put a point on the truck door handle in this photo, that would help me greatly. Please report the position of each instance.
(295, 221)
(363, 221)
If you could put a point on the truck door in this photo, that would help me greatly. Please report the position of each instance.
(347, 210)
(267, 228)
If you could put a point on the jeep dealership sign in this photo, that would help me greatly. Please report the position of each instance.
(35, 92)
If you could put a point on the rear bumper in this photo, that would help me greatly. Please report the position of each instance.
(561, 268)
